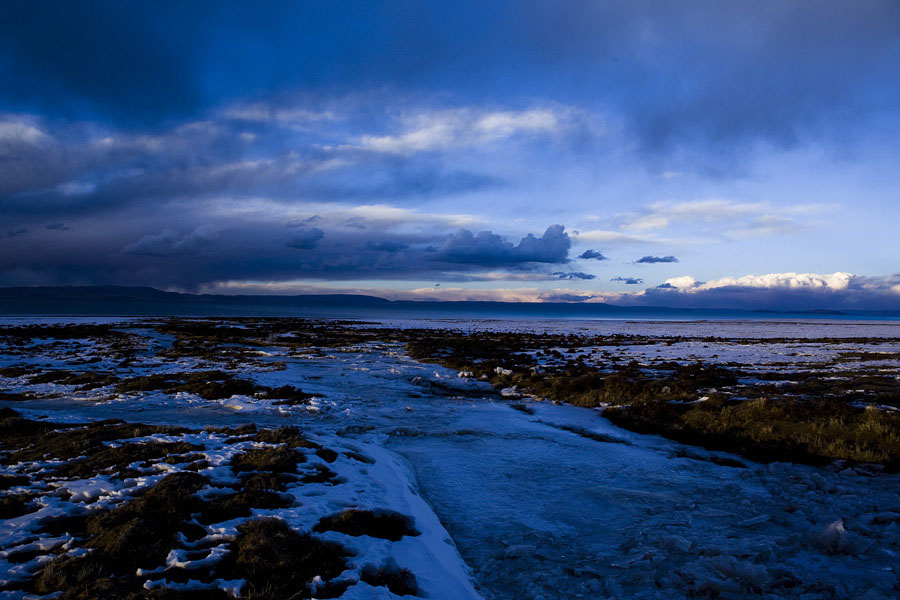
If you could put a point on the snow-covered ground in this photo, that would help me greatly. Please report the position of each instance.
(547, 502)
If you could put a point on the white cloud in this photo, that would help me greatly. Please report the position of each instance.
(685, 282)
(646, 222)
(382, 217)
(810, 281)
(732, 218)
(444, 129)
(607, 236)
(20, 132)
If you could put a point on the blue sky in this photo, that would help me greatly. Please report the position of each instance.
(699, 154)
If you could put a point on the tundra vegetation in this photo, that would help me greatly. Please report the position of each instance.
(125, 549)
(815, 416)
(841, 408)
(845, 409)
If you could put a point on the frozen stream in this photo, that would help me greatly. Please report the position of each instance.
(562, 504)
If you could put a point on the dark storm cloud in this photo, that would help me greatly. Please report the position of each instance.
(657, 259)
(304, 222)
(248, 248)
(703, 74)
(108, 56)
(628, 280)
(170, 243)
(306, 239)
(386, 246)
(160, 131)
(75, 170)
(574, 275)
(592, 254)
(489, 249)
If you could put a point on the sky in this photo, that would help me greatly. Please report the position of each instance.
(733, 154)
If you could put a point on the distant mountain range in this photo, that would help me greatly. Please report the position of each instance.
(147, 301)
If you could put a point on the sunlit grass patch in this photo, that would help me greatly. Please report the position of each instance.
(766, 430)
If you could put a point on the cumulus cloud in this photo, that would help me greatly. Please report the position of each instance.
(777, 291)
(657, 259)
(628, 280)
(592, 254)
(170, 243)
(834, 281)
(489, 249)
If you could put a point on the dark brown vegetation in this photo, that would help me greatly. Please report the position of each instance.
(382, 524)
(279, 459)
(399, 581)
(278, 562)
(24, 440)
(116, 459)
(211, 385)
(16, 505)
(237, 505)
(87, 380)
(138, 533)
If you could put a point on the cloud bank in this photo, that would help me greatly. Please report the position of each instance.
(777, 291)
